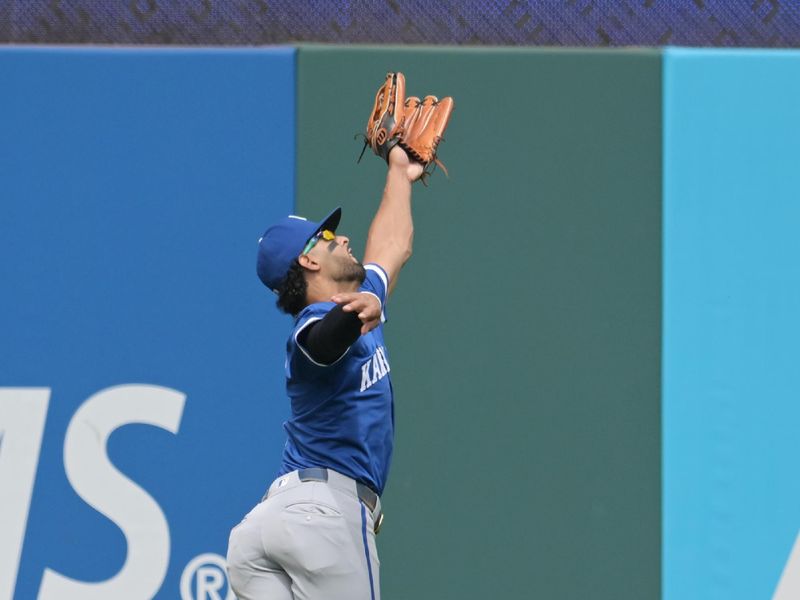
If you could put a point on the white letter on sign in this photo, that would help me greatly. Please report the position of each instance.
(789, 585)
(106, 489)
(22, 416)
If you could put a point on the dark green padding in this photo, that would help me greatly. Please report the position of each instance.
(524, 334)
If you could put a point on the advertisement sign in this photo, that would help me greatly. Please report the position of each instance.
(141, 381)
(731, 292)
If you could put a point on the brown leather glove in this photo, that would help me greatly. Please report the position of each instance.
(423, 127)
(417, 126)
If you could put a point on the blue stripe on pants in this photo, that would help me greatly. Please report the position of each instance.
(366, 549)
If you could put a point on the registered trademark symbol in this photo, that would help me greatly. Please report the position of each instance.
(206, 578)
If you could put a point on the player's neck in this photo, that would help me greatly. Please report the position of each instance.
(321, 290)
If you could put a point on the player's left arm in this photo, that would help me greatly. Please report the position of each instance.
(391, 234)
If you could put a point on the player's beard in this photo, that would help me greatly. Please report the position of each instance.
(348, 271)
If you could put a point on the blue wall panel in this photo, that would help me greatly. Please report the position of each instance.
(731, 323)
(134, 187)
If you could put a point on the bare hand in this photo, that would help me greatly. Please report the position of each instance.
(367, 306)
(398, 159)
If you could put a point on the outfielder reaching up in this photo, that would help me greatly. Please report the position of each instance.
(312, 537)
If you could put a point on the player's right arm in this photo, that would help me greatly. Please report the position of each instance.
(391, 234)
(325, 340)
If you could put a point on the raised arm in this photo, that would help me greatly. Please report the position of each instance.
(391, 233)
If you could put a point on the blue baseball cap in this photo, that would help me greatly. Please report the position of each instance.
(284, 241)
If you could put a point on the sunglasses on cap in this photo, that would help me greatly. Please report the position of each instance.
(325, 234)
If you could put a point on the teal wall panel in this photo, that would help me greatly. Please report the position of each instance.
(525, 331)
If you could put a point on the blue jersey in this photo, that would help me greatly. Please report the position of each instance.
(343, 413)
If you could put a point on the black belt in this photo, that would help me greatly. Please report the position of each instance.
(365, 494)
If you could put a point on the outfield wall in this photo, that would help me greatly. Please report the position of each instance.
(135, 186)
(525, 330)
(595, 199)
(731, 295)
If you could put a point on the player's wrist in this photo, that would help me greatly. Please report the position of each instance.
(398, 159)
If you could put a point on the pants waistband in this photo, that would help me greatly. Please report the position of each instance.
(370, 499)
(364, 493)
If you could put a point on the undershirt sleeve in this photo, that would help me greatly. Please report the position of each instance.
(325, 341)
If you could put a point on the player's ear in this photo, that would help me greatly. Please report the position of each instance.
(308, 263)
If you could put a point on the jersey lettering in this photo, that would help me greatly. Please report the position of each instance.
(374, 369)
(383, 359)
(377, 368)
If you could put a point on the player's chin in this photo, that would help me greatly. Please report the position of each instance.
(351, 271)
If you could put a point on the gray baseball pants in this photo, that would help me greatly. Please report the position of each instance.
(308, 540)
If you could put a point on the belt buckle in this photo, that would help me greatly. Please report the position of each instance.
(378, 523)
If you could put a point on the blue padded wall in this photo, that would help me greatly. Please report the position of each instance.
(731, 324)
(135, 186)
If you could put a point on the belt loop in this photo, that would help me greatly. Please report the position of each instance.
(313, 474)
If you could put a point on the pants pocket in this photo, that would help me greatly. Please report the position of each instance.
(313, 508)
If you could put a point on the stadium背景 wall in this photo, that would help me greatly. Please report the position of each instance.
(141, 364)
(731, 297)
(525, 331)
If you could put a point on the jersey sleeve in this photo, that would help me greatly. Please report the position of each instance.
(296, 355)
(376, 282)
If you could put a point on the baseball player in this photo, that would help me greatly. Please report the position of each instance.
(312, 537)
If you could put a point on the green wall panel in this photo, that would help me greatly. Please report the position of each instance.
(525, 332)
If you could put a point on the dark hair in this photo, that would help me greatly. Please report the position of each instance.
(292, 290)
